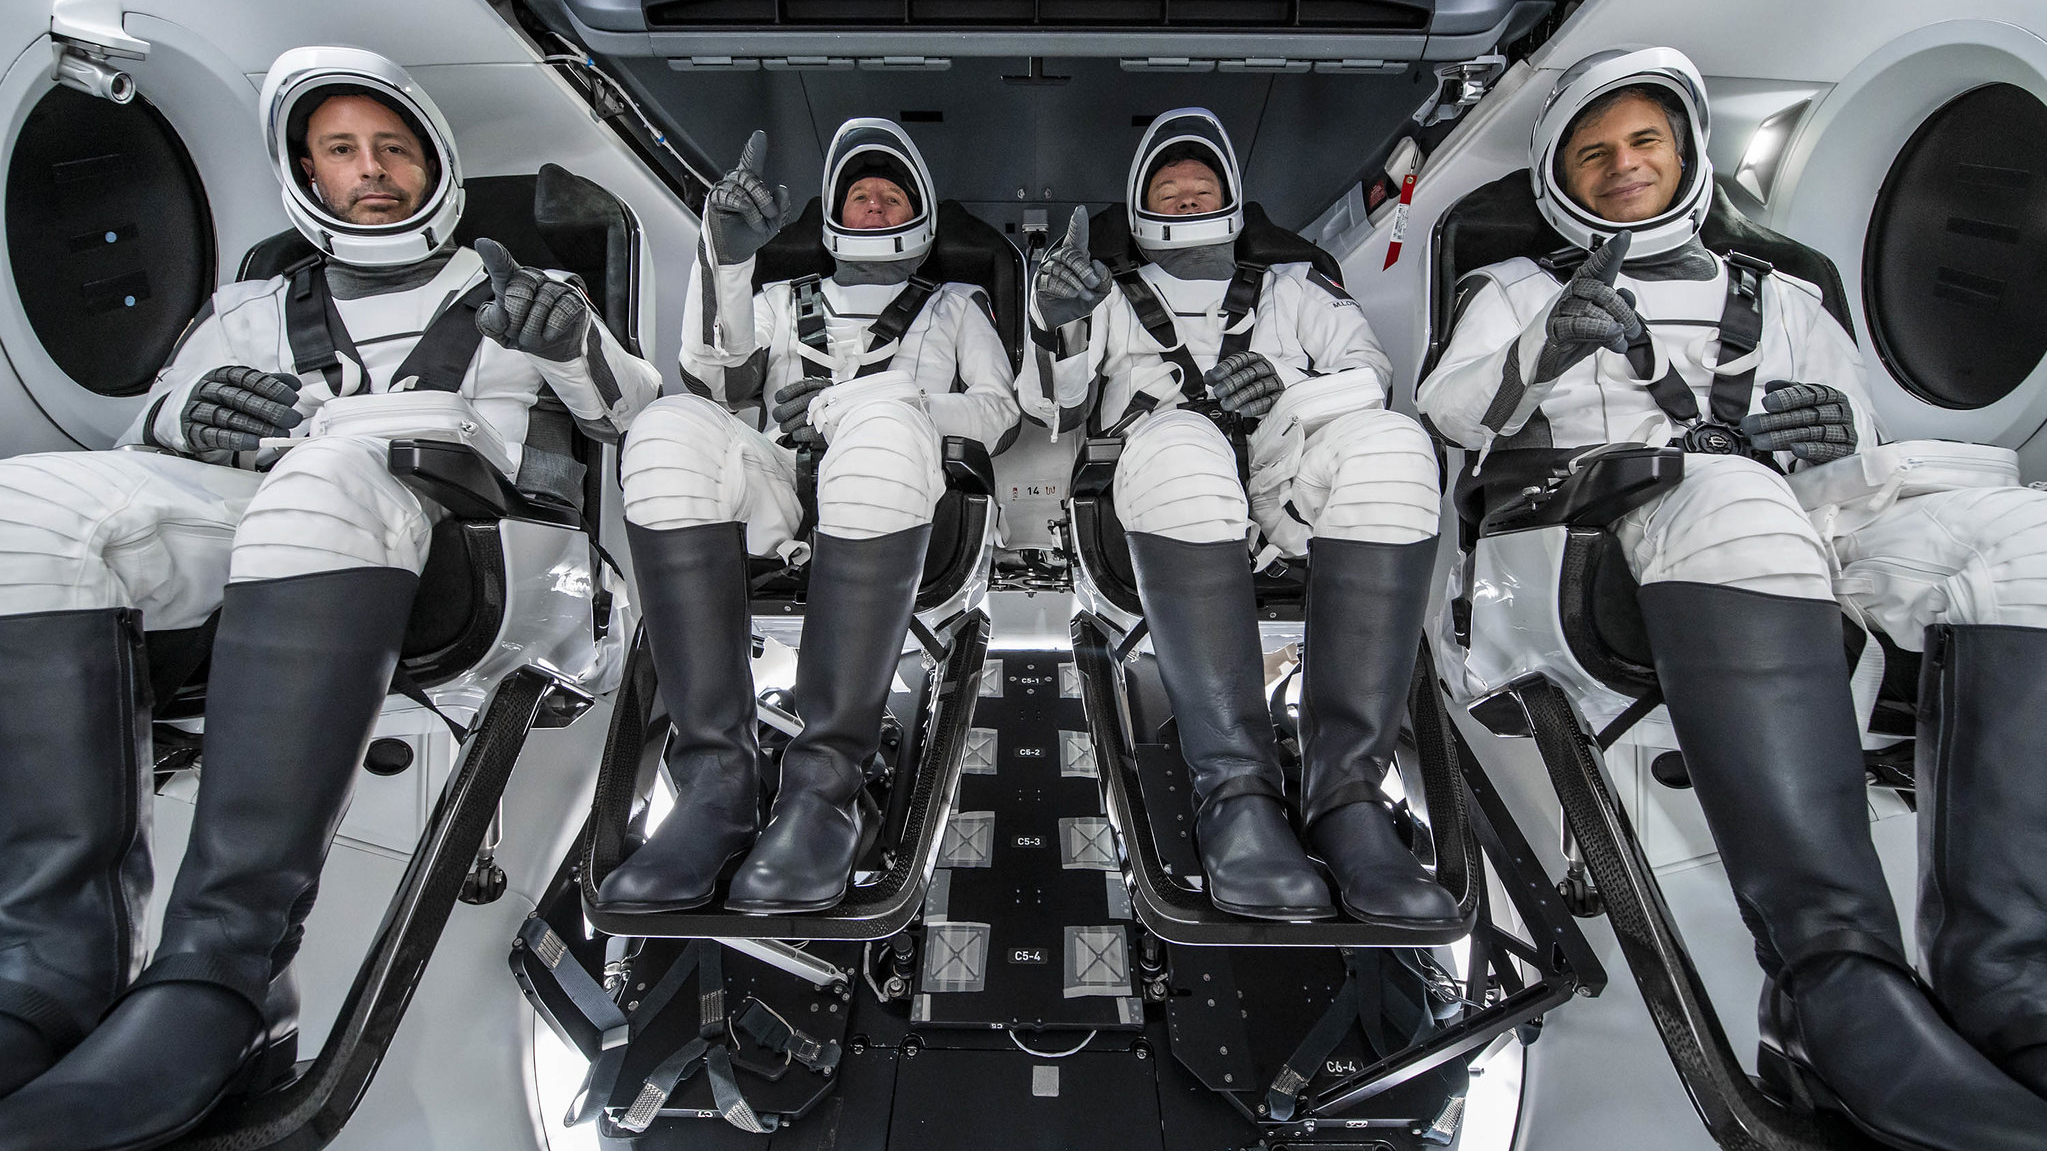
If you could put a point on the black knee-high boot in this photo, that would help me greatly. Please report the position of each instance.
(692, 587)
(862, 593)
(1982, 790)
(1757, 686)
(1197, 599)
(1366, 602)
(74, 827)
(300, 669)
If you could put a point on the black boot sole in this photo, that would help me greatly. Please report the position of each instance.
(1280, 913)
(1400, 923)
(1795, 1085)
(658, 907)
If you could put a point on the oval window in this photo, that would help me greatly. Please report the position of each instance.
(1954, 273)
(109, 237)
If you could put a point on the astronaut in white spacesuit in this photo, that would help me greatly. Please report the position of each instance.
(1172, 351)
(235, 497)
(864, 371)
(1654, 338)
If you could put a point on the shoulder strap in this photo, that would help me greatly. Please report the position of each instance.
(900, 313)
(1158, 324)
(441, 357)
(312, 325)
(1238, 303)
(808, 294)
(1741, 330)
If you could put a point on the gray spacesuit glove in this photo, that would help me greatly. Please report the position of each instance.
(532, 313)
(1590, 314)
(791, 412)
(1811, 421)
(1070, 282)
(232, 409)
(1245, 383)
(742, 213)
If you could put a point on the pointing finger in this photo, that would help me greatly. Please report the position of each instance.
(756, 152)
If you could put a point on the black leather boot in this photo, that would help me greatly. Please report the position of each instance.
(1204, 627)
(862, 593)
(692, 584)
(74, 827)
(1982, 776)
(1757, 686)
(300, 669)
(1366, 602)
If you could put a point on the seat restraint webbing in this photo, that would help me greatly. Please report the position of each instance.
(319, 338)
(888, 329)
(1741, 329)
(1157, 321)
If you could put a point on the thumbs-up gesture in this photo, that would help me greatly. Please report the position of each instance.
(1070, 282)
(1591, 313)
(742, 213)
(532, 313)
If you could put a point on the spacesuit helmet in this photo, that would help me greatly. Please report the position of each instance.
(301, 81)
(1673, 81)
(1183, 134)
(874, 147)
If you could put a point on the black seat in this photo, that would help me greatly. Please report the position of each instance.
(1500, 221)
(1148, 796)
(553, 219)
(965, 250)
(1601, 625)
(914, 778)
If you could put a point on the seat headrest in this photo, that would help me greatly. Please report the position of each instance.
(553, 219)
(967, 250)
(1261, 242)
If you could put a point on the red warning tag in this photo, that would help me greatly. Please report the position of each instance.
(1400, 220)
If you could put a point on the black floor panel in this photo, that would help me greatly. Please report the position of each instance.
(1009, 1101)
(1028, 923)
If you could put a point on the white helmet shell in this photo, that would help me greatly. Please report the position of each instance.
(875, 147)
(1588, 80)
(1197, 129)
(305, 74)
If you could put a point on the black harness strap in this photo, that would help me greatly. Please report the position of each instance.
(1157, 321)
(1741, 330)
(441, 357)
(319, 338)
(887, 329)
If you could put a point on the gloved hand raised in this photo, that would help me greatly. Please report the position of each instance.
(1245, 383)
(1811, 421)
(791, 412)
(741, 212)
(532, 313)
(232, 409)
(1070, 282)
(1591, 313)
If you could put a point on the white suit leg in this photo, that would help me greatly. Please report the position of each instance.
(882, 473)
(1368, 476)
(1177, 478)
(87, 530)
(1974, 556)
(688, 462)
(331, 504)
(1732, 523)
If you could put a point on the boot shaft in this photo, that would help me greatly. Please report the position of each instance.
(1757, 687)
(1366, 606)
(692, 586)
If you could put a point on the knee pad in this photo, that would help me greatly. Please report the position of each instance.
(1732, 523)
(1178, 478)
(882, 473)
(681, 467)
(1369, 476)
(328, 505)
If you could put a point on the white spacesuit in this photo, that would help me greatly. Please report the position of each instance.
(1168, 353)
(1654, 339)
(255, 485)
(864, 371)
